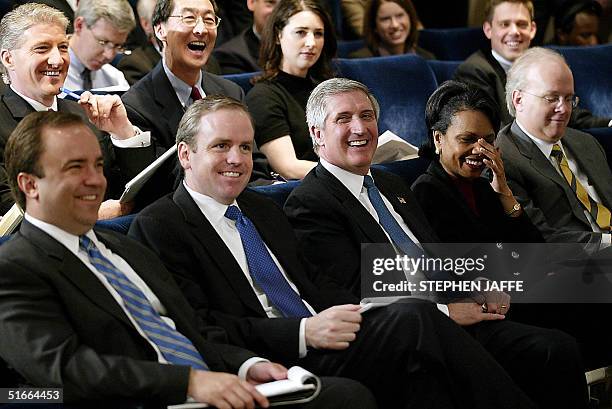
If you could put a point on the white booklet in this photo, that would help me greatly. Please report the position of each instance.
(11, 220)
(391, 148)
(299, 387)
(133, 186)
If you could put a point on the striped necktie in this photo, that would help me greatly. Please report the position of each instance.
(264, 270)
(600, 213)
(174, 346)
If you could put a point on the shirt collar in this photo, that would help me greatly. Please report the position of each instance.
(352, 181)
(75, 62)
(182, 89)
(506, 64)
(545, 147)
(35, 104)
(213, 210)
(68, 240)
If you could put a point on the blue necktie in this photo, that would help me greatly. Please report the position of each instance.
(264, 270)
(174, 346)
(393, 229)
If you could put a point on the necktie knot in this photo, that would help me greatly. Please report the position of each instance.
(556, 152)
(233, 213)
(85, 243)
(368, 182)
(195, 94)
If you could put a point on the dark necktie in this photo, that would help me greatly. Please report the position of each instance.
(391, 226)
(195, 94)
(600, 213)
(86, 76)
(264, 270)
(174, 346)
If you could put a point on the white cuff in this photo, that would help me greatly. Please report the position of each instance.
(606, 241)
(610, 123)
(140, 140)
(444, 309)
(246, 365)
(302, 341)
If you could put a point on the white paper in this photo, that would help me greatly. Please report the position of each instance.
(133, 186)
(391, 148)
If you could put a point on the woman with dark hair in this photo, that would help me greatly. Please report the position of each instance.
(390, 27)
(297, 46)
(461, 205)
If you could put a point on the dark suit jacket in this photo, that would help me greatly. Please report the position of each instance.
(152, 105)
(484, 72)
(331, 224)
(546, 196)
(215, 285)
(240, 54)
(61, 327)
(13, 109)
(142, 60)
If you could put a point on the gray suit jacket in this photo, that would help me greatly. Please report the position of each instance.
(546, 196)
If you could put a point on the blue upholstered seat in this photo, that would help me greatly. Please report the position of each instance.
(118, 224)
(244, 79)
(453, 43)
(347, 47)
(443, 70)
(278, 192)
(402, 84)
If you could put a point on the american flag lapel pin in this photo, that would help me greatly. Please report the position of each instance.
(401, 200)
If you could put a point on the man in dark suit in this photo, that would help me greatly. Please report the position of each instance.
(534, 175)
(342, 204)
(95, 313)
(510, 26)
(157, 102)
(35, 60)
(241, 53)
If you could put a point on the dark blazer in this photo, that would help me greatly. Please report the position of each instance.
(215, 285)
(152, 105)
(455, 222)
(62, 328)
(484, 72)
(546, 196)
(13, 109)
(331, 224)
(240, 54)
(142, 60)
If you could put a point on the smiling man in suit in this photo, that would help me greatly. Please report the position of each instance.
(343, 203)
(94, 312)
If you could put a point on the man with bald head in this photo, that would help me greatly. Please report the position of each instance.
(560, 175)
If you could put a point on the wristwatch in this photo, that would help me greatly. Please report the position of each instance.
(515, 208)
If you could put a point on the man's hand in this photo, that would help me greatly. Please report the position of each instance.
(223, 390)
(114, 208)
(265, 372)
(493, 301)
(468, 312)
(334, 328)
(107, 113)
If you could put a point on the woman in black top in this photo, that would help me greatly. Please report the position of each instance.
(461, 204)
(297, 45)
(390, 27)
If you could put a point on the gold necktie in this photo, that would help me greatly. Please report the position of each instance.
(600, 213)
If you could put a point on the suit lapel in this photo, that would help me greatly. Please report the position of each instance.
(540, 163)
(17, 106)
(165, 96)
(216, 249)
(362, 218)
(74, 270)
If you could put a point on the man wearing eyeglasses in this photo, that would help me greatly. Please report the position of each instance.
(187, 31)
(559, 175)
(101, 28)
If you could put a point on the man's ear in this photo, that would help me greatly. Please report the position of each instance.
(533, 31)
(487, 28)
(7, 59)
(28, 185)
(317, 135)
(517, 100)
(160, 32)
(184, 155)
(79, 23)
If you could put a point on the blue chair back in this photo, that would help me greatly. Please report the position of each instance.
(402, 84)
(452, 43)
(243, 80)
(409, 170)
(278, 192)
(118, 224)
(443, 70)
(347, 47)
(4, 238)
(604, 137)
(592, 69)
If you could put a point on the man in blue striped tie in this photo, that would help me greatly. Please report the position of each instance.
(95, 313)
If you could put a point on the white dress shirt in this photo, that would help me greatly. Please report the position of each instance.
(354, 184)
(71, 242)
(546, 149)
(226, 229)
(106, 76)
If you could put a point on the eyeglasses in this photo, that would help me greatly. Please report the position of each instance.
(555, 100)
(108, 45)
(189, 20)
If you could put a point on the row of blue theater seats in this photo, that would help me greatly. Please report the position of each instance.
(403, 84)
